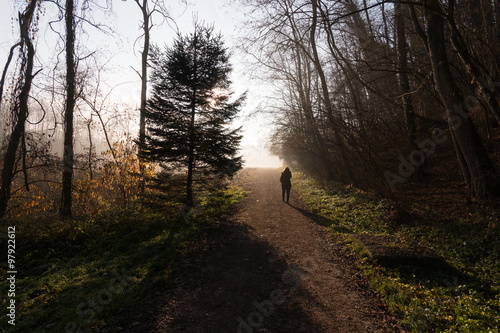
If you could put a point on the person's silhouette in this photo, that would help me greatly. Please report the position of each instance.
(286, 184)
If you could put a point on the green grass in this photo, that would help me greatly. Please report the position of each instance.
(461, 297)
(95, 272)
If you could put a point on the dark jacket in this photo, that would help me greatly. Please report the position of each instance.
(285, 179)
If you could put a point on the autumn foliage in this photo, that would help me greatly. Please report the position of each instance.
(116, 183)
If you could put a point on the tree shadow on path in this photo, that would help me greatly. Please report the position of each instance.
(238, 283)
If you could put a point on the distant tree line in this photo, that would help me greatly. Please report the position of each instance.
(368, 90)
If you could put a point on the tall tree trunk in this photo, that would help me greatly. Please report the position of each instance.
(21, 109)
(481, 72)
(303, 87)
(6, 68)
(497, 18)
(67, 176)
(144, 86)
(326, 96)
(192, 138)
(91, 147)
(404, 82)
(477, 168)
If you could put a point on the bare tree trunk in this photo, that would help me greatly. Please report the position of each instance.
(386, 28)
(21, 107)
(497, 17)
(6, 68)
(368, 20)
(105, 130)
(477, 168)
(91, 147)
(67, 176)
(191, 157)
(144, 84)
(326, 95)
(302, 84)
(480, 72)
(404, 83)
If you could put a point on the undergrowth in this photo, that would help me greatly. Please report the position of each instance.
(88, 273)
(462, 296)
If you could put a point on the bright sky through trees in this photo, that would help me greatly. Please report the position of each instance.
(121, 53)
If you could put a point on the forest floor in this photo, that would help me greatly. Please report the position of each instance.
(268, 267)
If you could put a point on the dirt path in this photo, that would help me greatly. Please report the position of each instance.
(270, 268)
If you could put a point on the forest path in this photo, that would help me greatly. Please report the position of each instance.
(270, 268)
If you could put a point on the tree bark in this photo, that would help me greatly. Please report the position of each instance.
(477, 168)
(67, 176)
(91, 147)
(144, 85)
(21, 109)
(479, 72)
(5, 69)
(191, 157)
(404, 82)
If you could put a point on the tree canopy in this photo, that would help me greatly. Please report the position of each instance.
(370, 93)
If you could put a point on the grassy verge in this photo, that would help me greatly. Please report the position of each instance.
(463, 296)
(93, 273)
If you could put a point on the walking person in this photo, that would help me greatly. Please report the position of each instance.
(286, 184)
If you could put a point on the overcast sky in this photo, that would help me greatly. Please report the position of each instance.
(122, 51)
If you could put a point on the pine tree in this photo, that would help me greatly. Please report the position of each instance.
(191, 107)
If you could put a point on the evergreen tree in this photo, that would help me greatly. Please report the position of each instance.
(191, 107)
